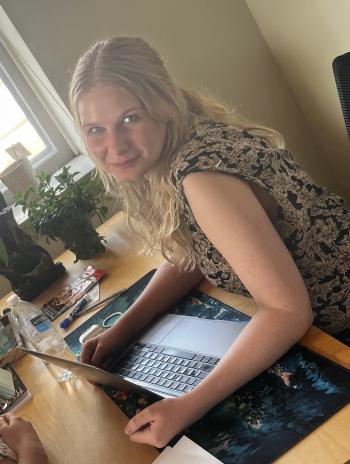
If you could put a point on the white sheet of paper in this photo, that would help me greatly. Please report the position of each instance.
(184, 452)
(162, 458)
(194, 452)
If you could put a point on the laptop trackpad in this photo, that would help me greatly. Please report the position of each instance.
(207, 336)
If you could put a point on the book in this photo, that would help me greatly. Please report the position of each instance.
(20, 397)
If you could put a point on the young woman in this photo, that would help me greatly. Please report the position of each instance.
(21, 437)
(220, 199)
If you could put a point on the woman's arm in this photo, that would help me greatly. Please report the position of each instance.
(166, 287)
(232, 218)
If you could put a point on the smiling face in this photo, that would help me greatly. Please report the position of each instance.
(123, 138)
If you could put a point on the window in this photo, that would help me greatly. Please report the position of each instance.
(26, 128)
(33, 118)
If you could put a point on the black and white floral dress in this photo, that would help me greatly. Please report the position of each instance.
(312, 221)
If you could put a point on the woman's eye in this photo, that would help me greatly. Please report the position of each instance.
(130, 118)
(95, 130)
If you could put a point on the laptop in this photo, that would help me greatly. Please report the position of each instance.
(171, 357)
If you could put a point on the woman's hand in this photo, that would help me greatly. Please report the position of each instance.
(97, 350)
(160, 422)
(22, 439)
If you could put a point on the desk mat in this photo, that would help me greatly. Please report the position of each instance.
(267, 416)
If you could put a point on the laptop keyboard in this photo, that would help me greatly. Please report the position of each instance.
(165, 367)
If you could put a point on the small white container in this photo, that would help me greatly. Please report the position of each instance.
(19, 176)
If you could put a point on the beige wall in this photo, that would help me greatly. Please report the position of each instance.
(213, 44)
(207, 44)
(304, 37)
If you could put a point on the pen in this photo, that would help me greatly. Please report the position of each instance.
(78, 311)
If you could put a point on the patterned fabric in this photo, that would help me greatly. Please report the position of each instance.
(312, 221)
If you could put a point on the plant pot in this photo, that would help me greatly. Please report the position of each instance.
(79, 236)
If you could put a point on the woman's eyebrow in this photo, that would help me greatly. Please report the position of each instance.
(120, 117)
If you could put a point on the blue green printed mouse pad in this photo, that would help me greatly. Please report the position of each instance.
(264, 418)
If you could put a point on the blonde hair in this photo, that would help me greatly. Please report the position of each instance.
(151, 207)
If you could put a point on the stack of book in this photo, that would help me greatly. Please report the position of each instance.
(7, 386)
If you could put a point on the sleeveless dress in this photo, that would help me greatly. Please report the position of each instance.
(312, 221)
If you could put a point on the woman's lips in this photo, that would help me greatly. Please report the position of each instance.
(125, 163)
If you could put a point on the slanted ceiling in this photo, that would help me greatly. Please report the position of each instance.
(305, 37)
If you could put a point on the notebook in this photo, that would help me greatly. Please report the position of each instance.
(170, 358)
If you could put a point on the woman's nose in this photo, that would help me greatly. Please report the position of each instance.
(116, 143)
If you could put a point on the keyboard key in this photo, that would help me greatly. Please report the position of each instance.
(185, 362)
(206, 359)
(142, 377)
(184, 379)
(166, 359)
(168, 383)
(197, 381)
(202, 375)
(152, 347)
(178, 353)
(191, 364)
(158, 349)
(191, 380)
(207, 367)
(149, 378)
(180, 387)
(198, 365)
(198, 357)
(188, 388)
(214, 360)
(174, 385)
(161, 381)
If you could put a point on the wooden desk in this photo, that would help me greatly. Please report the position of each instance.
(79, 424)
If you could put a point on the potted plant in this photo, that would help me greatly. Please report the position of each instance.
(65, 211)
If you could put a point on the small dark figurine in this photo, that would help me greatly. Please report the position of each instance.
(29, 267)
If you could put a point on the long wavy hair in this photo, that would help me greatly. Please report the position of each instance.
(152, 211)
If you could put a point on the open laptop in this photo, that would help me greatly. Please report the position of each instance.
(170, 358)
